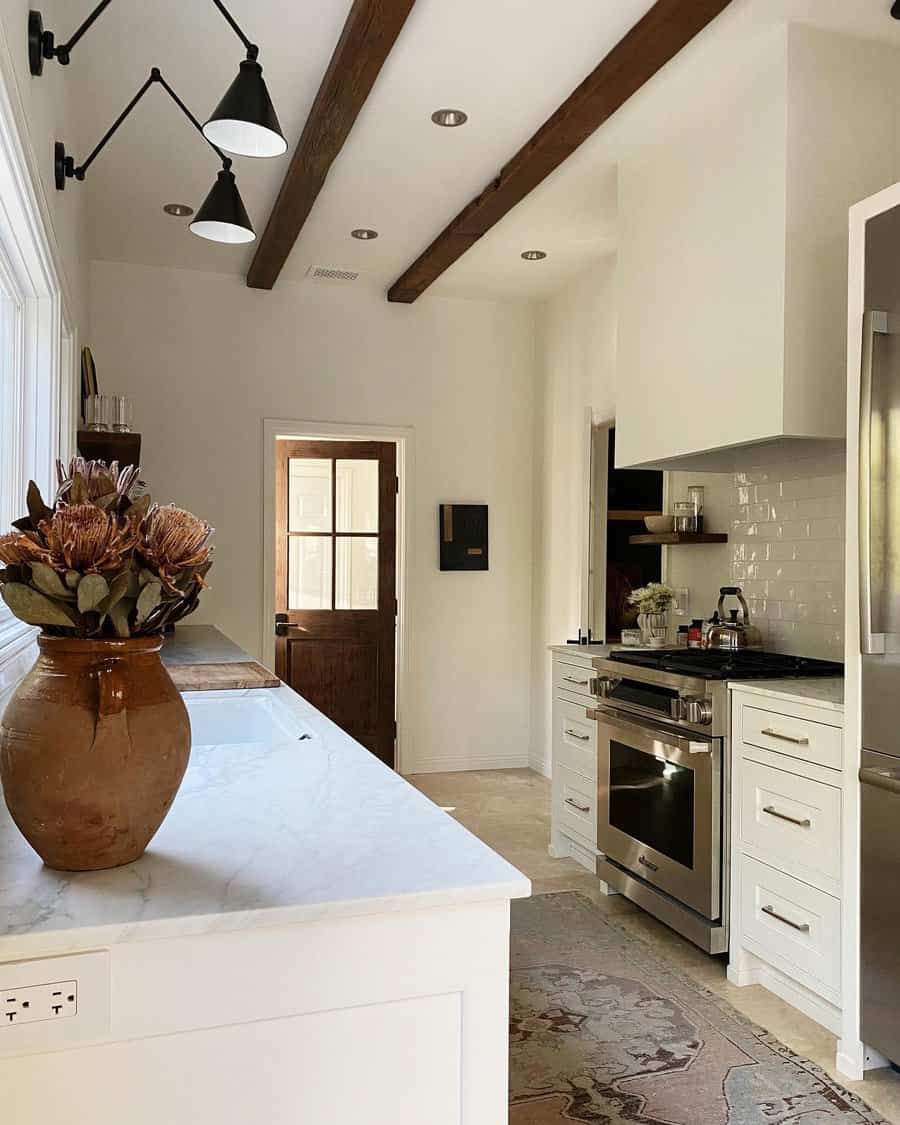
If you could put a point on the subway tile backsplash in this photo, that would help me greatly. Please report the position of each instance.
(786, 534)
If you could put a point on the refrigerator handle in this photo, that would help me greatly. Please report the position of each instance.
(881, 779)
(873, 322)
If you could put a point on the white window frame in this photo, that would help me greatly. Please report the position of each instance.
(38, 415)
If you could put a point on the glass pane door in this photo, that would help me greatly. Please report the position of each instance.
(332, 530)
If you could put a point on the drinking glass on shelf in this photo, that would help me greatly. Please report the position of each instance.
(685, 516)
(96, 412)
(121, 414)
(695, 496)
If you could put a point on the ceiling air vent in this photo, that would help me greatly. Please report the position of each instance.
(323, 273)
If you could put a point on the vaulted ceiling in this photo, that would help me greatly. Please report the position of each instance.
(507, 63)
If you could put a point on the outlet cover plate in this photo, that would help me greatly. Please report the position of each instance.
(86, 975)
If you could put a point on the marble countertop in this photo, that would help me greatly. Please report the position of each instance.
(282, 830)
(584, 650)
(201, 644)
(824, 691)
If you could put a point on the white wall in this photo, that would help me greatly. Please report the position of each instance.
(576, 357)
(206, 359)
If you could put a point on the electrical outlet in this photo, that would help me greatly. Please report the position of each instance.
(36, 1002)
(53, 1003)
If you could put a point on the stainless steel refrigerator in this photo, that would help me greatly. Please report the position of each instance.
(879, 543)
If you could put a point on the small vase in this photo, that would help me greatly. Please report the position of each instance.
(657, 628)
(94, 744)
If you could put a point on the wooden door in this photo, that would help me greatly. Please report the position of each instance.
(335, 582)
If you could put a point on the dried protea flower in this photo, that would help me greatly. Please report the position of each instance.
(174, 540)
(95, 480)
(85, 538)
(17, 548)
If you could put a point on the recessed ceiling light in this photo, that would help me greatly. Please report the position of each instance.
(179, 210)
(534, 255)
(363, 233)
(449, 118)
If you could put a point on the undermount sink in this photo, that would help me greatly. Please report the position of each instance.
(250, 717)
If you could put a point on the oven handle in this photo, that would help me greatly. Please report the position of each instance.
(660, 733)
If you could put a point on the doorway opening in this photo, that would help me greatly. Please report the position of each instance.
(334, 537)
(620, 499)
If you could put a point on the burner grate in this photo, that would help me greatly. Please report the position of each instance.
(746, 664)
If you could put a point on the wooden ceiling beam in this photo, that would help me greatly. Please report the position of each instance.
(369, 34)
(655, 39)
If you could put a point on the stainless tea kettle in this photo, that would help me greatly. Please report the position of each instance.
(736, 632)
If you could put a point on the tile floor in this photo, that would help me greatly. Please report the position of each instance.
(510, 811)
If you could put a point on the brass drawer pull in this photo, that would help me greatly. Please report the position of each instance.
(793, 738)
(805, 823)
(803, 927)
(575, 805)
(572, 680)
(580, 737)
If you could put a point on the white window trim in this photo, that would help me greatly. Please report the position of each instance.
(43, 420)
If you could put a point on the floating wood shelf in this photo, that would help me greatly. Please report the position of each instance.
(629, 515)
(105, 445)
(678, 538)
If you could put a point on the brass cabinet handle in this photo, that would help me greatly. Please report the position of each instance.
(803, 927)
(580, 737)
(575, 805)
(793, 738)
(805, 823)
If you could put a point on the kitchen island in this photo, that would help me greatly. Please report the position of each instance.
(307, 938)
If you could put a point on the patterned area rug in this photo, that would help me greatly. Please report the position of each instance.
(605, 1032)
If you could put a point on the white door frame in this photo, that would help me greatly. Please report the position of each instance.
(403, 437)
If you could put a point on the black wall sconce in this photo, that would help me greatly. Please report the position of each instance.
(221, 218)
(244, 122)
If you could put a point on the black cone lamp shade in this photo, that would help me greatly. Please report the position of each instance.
(223, 217)
(245, 122)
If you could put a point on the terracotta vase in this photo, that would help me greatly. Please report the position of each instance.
(93, 746)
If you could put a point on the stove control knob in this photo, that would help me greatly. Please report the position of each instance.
(678, 708)
(699, 711)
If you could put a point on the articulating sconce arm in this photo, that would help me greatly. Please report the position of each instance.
(42, 44)
(65, 166)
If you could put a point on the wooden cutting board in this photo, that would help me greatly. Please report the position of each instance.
(222, 677)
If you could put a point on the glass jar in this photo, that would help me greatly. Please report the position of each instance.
(695, 496)
(685, 516)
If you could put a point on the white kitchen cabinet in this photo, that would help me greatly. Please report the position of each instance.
(574, 759)
(787, 829)
(732, 250)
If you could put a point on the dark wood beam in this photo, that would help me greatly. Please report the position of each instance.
(667, 27)
(369, 34)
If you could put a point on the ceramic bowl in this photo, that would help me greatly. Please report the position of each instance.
(657, 525)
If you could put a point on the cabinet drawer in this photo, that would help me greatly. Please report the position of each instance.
(574, 740)
(803, 739)
(573, 678)
(796, 820)
(793, 926)
(577, 805)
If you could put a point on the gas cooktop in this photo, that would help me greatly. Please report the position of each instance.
(745, 664)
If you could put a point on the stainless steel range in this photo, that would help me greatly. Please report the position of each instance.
(664, 778)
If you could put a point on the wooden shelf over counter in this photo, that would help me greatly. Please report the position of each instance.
(629, 515)
(105, 445)
(677, 538)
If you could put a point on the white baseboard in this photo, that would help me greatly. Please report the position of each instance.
(458, 764)
(541, 766)
(751, 970)
(854, 1058)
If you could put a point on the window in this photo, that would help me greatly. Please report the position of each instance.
(37, 411)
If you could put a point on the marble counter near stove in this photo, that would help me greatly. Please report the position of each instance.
(819, 691)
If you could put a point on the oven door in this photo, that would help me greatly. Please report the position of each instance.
(659, 807)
